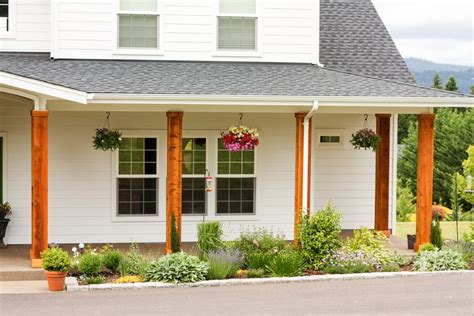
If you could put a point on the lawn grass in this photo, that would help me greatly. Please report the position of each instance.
(448, 229)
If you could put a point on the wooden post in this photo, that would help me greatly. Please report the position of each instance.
(424, 179)
(382, 174)
(39, 185)
(174, 174)
(299, 173)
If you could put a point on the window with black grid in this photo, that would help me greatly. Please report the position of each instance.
(137, 180)
(235, 182)
(194, 171)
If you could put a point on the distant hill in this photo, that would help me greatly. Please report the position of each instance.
(424, 70)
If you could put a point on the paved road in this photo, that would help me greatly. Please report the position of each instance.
(441, 295)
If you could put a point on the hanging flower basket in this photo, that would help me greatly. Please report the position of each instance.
(107, 138)
(365, 138)
(240, 138)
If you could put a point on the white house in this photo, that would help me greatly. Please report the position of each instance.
(174, 74)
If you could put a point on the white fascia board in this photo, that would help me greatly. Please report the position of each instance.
(265, 100)
(43, 89)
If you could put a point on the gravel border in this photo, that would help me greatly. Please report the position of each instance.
(73, 286)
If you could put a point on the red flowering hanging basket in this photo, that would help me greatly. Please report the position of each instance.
(238, 138)
(365, 137)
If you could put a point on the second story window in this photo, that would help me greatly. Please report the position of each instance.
(237, 25)
(138, 24)
(4, 14)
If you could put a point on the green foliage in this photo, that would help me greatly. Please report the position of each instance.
(428, 247)
(89, 264)
(320, 234)
(437, 83)
(209, 238)
(468, 169)
(286, 264)
(260, 260)
(96, 279)
(345, 260)
(405, 202)
(390, 267)
(453, 134)
(471, 88)
(436, 238)
(111, 259)
(405, 121)
(469, 237)
(175, 244)
(133, 263)
(56, 259)
(224, 264)
(106, 139)
(256, 273)
(371, 244)
(258, 241)
(465, 249)
(177, 268)
(451, 84)
(365, 138)
(440, 260)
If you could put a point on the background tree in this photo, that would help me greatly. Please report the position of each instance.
(451, 84)
(453, 135)
(437, 84)
(472, 89)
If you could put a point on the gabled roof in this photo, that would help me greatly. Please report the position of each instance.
(206, 78)
(353, 38)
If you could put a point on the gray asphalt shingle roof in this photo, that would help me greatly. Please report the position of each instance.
(204, 78)
(353, 38)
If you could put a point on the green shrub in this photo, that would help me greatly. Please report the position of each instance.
(320, 234)
(175, 244)
(465, 249)
(258, 241)
(345, 260)
(223, 264)
(209, 238)
(405, 202)
(97, 279)
(427, 247)
(89, 264)
(469, 237)
(133, 263)
(436, 238)
(439, 260)
(260, 260)
(56, 259)
(177, 268)
(286, 264)
(390, 267)
(111, 259)
(256, 273)
(399, 259)
(364, 238)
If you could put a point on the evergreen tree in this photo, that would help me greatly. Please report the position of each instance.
(472, 89)
(437, 84)
(453, 135)
(175, 247)
(451, 85)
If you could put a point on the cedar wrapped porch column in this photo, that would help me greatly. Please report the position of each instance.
(299, 160)
(424, 179)
(173, 174)
(382, 174)
(39, 185)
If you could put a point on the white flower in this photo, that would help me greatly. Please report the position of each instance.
(81, 245)
(74, 249)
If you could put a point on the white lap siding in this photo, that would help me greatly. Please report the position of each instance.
(81, 188)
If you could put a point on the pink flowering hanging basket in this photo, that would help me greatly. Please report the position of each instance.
(240, 138)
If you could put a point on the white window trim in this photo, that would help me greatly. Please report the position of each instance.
(257, 53)
(197, 134)
(5, 162)
(331, 132)
(138, 51)
(160, 175)
(11, 33)
(255, 214)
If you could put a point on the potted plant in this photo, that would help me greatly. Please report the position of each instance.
(5, 210)
(56, 263)
(365, 138)
(107, 139)
(238, 138)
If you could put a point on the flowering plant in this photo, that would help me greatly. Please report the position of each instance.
(240, 138)
(107, 139)
(345, 260)
(365, 138)
(5, 209)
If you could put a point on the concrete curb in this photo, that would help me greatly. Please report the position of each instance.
(73, 286)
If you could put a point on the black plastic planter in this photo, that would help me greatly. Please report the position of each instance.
(411, 241)
(3, 230)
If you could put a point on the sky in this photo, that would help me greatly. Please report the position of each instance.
(437, 30)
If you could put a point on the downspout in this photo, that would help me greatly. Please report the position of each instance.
(306, 161)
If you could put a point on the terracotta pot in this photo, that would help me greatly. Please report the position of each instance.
(55, 280)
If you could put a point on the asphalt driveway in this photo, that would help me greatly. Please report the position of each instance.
(424, 295)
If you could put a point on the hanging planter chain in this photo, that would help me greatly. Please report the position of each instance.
(105, 138)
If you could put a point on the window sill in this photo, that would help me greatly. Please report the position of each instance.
(251, 54)
(143, 52)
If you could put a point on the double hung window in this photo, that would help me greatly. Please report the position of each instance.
(237, 25)
(138, 24)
